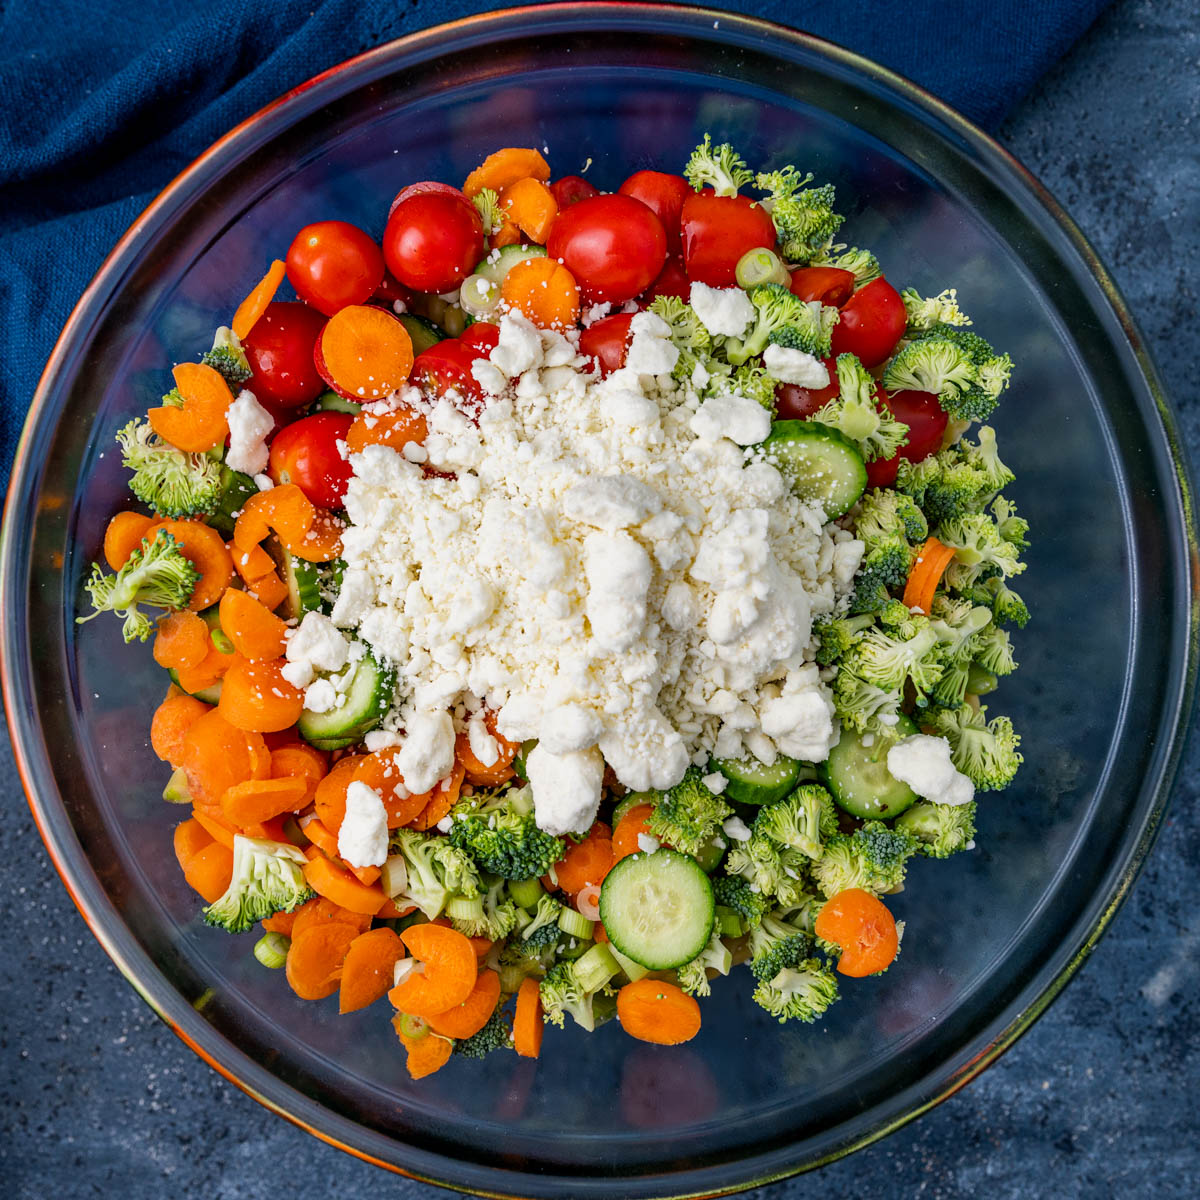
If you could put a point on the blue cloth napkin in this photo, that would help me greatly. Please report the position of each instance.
(103, 102)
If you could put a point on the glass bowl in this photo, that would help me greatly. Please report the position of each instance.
(1108, 661)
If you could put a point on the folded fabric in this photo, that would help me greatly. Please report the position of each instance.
(102, 104)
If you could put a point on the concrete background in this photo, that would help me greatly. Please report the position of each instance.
(97, 1098)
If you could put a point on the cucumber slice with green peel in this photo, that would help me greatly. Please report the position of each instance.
(709, 855)
(657, 908)
(423, 333)
(500, 262)
(819, 463)
(236, 489)
(368, 697)
(332, 402)
(210, 695)
(633, 971)
(753, 782)
(303, 581)
(631, 801)
(857, 776)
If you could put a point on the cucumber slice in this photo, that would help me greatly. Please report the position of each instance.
(753, 782)
(332, 402)
(210, 695)
(500, 262)
(236, 489)
(367, 698)
(657, 908)
(857, 775)
(423, 333)
(818, 462)
(628, 802)
(303, 581)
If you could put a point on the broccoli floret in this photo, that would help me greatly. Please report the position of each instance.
(856, 412)
(979, 550)
(804, 218)
(885, 513)
(717, 167)
(495, 1035)
(693, 976)
(562, 995)
(809, 324)
(987, 753)
(896, 617)
(542, 931)
(888, 661)
(268, 877)
(495, 918)
(862, 264)
(435, 870)
(169, 481)
(502, 836)
(958, 625)
(688, 815)
(228, 357)
(734, 892)
(777, 943)
(938, 365)
(992, 369)
(882, 569)
(688, 334)
(157, 573)
(776, 871)
(836, 635)
(1012, 528)
(941, 309)
(487, 204)
(863, 705)
(960, 479)
(1007, 607)
(993, 650)
(801, 820)
(749, 380)
(872, 858)
(941, 829)
(798, 994)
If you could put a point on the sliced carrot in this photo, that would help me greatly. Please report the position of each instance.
(272, 830)
(323, 541)
(402, 425)
(654, 1011)
(487, 775)
(530, 204)
(216, 756)
(586, 862)
(481, 945)
(182, 641)
(122, 536)
(366, 351)
(335, 883)
(189, 839)
(256, 697)
(367, 971)
(367, 874)
(625, 836)
(448, 975)
(254, 630)
(284, 509)
(315, 957)
(258, 800)
(599, 933)
(300, 761)
(441, 800)
(425, 1054)
(209, 871)
(391, 911)
(260, 297)
(527, 1020)
(269, 590)
(544, 291)
(252, 562)
(201, 423)
(207, 672)
(330, 796)
(216, 825)
(468, 1018)
(379, 772)
(319, 835)
(318, 911)
(507, 235)
(861, 924)
(281, 922)
(926, 573)
(172, 720)
(504, 168)
(205, 549)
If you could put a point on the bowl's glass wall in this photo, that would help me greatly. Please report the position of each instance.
(979, 926)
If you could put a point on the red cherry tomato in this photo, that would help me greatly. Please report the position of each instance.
(306, 453)
(672, 281)
(446, 368)
(570, 189)
(830, 285)
(871, 324)
(279, 350)
(425, 187)
(716, 232)
(881, 472)
(607, 342)
(481, 337)
(794, 403)
(333, 264)
(613, 245)
(433, 241)
(926, 420)
(391, 289)
(664, 195)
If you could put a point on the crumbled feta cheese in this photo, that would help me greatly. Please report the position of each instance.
(316, 644)
(427, 753)
(736, 829)
(735, 417)
(847, 556)
(801, 723)
(724, 312)
(788, 365)
(611, 502)
(651, 351)
(647, 843)
(320, 696)
(483, 745)
(264, 483)
(363, 834)
(566, 788)
(570, 727)
(249, 425)
(519, 347)
(923, 762)
(716, 782)
(618, 574)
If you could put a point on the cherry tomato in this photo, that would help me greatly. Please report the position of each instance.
(446, 368)
(481, 337)
(433, 241)
(881, 472)
(794, 402)
(672, 281)
(871, 324)
(391, 289)
(830, 285)
(607, 342)
(926, 420)
(280, 351)
(333, 264)
(425, 187)
(664, 195)
(717, 230)
(306, 453)
(570, 189)
(613, 245)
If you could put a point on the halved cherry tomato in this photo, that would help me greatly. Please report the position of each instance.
(391, 289)
(306, 453)
(830, 285)
(872, 322)
(446, 368)
(433, 241)
(716, 231)
(570, 189)
(279, 350)
(481, 337)
(794, 403)
(614, 246)
(672, 281)
(332, 264)
(926, 420)
(607, 341)
(664, 195)
(425, 187)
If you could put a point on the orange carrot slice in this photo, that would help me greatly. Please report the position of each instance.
(861, 924)
(258, 800)
(528, 1025)
(468, 1018)
(380, 773)
(256, 303)
(255, 631)
(323, 541)
(330, 796)
(926, 573)
(586, 862)
(653, 1011)
(284, 509)
(530, 204)
(216, 756)
(493, 774)
(216, 826)
(367, 970)
(315, 957)
(209, 871)
(318, 911)
(544, 291)
(205, 549)
(449, 971)
(504, 168)
(395, 429)
(256, 697)
(169, 728)
(625, 836)
(335, 883)
(441, 800)
(364, 353)
(425, 1054)
(302, 762)
(189, 839)
(202, 422)
(122, 536)
(183, 640)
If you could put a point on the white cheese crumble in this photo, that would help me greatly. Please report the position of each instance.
(566, 788)
(249, 425)
(363, 836)
(736, 829)
(923, 762)
(647, 843)
(716, 782)
(734, 417)
(724, 312)
(316, 644)
(788, 365)
(427, 753)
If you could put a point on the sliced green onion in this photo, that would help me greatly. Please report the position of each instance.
(596, 967)
(177, 790)
(568, 952)
(459, 908)
(220, 639)
(728, 922)
(394, 875)
(479, 296)
(412, 1027)
(271, 950)
(760, 266)
(574, 924)
(526, 892)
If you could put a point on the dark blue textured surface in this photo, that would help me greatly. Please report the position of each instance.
(97, 1098)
